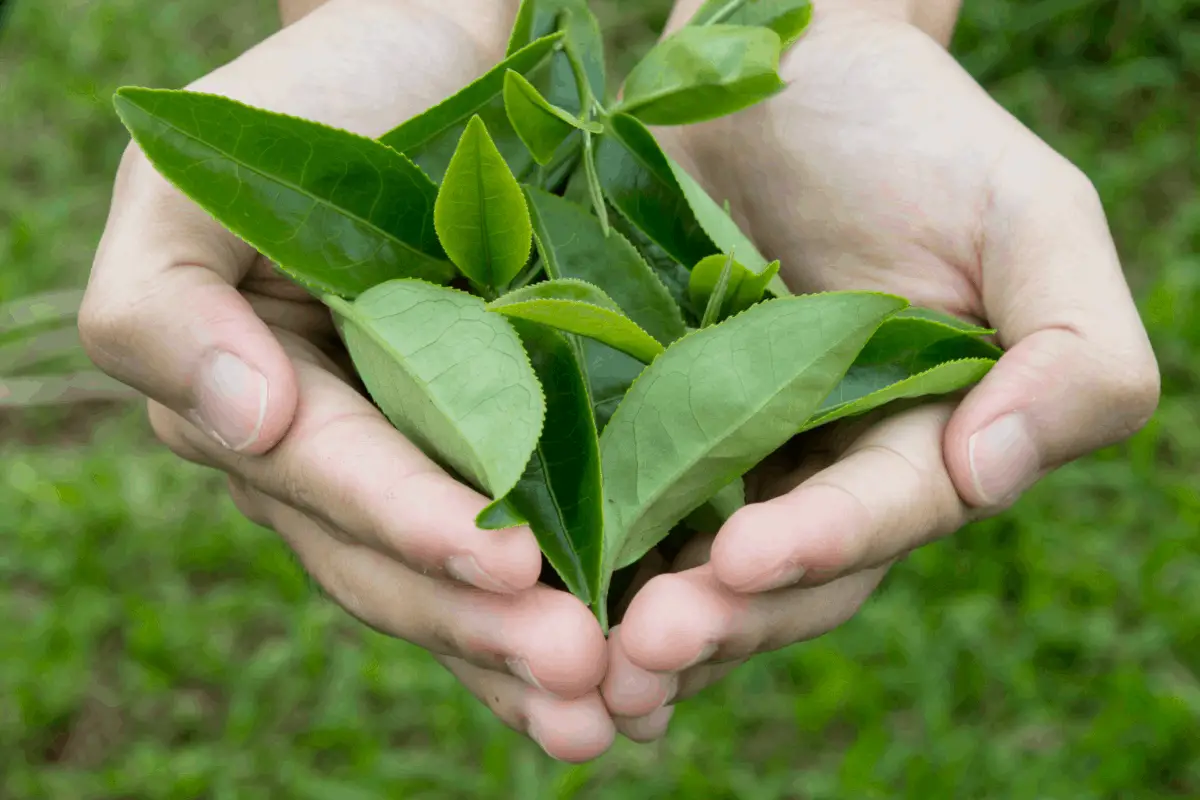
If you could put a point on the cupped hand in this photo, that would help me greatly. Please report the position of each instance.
(244, 373)
(884, 166)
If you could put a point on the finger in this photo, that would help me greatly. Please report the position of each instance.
(547, 638)
(1079, 373)
(887, 495)
(682, 621)
(649, 728)
(162, 314)
(569, 730)
(344, 464)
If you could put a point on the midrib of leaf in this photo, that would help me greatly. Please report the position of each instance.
(403, 364)
(730, 8)
(297, 188)
(725, 434)
(482, 202)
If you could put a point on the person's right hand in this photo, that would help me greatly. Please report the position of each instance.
(244, 373)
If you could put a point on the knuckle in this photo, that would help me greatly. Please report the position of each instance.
(102, 329)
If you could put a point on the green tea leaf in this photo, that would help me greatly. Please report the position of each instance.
(638, 180)
(699, 74)
(539, 18)
(718, 402)
(744, 290)
(450, 375)
(709, 517)
(917, 352)
(559, 496)
(340, 213)
(610, 373)
(667, 205)
(577, 307)
(481, 216)
(430, 138)
(865, 389)
(543, 127)
(717, 296)
(572, 245)
(788, 18)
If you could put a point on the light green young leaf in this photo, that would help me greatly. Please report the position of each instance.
(744, 290)
(572, 245)
(339, 213)
(718, 294)
(788, 18)
(451, 376)
(431, 137)
(699, 74)
(481, 216)
(559, 495)
(718, 402)
(543, 127)
(578, 307)
(538, 18)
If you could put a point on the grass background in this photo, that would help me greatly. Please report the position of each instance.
(155, 645)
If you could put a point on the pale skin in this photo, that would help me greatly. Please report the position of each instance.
(882, 166)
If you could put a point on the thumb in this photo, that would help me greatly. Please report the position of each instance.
(1079, 372)
(162, 314)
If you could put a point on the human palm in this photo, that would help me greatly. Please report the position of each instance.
(884, 166)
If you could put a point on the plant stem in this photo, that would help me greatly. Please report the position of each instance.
(727, 11)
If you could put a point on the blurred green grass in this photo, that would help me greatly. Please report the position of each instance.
(155, 645)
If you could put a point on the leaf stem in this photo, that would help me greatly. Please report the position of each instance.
(727, 11)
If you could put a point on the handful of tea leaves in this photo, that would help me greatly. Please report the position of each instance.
(540, 298)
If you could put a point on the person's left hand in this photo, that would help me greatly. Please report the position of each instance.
(883, 166)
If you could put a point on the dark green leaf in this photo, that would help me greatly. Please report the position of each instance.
(577, 307)
(450, 375)
(481, 216)
(638, 180)
(431, 137)
(572, 245)
(709, 517)
(718, 402)
(538, 18)
(610, 373)
(788, 18)
(542, 127)
(744, 289)
(560, 495)
(699, 74)
(339, 213)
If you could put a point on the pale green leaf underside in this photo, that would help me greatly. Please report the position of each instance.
(559, 289)
(450, 375)
(481, 216)
(585, 319)
(719, 401)
(701, 73)
(867, 389)
(340, 213)
(788, 18)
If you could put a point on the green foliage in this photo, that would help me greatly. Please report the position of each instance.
(452, 374)
(157, 645)
(788, 18)
(480, 214)
(338, 212)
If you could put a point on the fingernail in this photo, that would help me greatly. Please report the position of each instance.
(467, 570)
(1004, 460)
(670, 685)
(705, 654)
(520, 668)
(231, 401)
